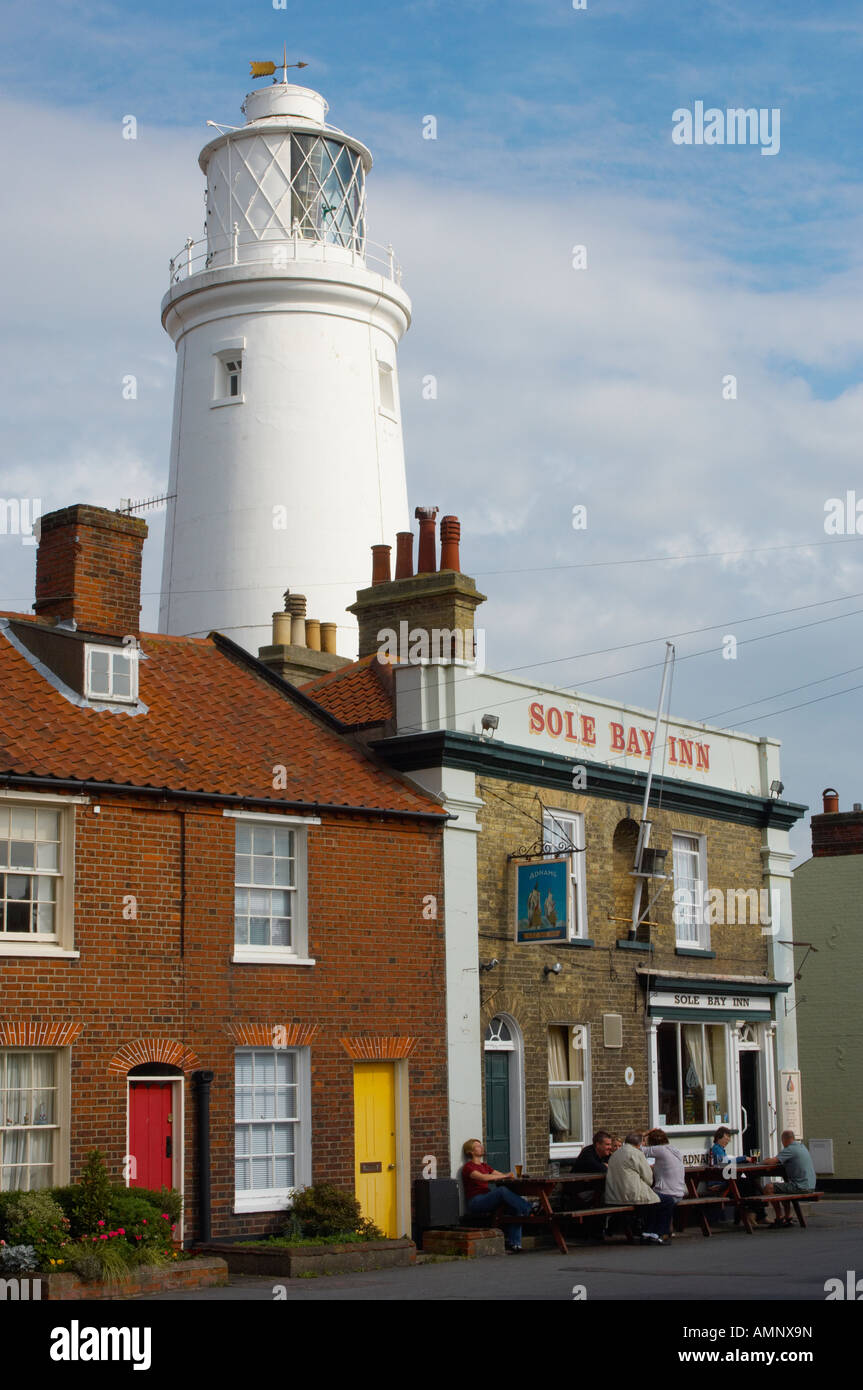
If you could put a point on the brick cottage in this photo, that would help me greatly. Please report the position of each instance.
(221, 921)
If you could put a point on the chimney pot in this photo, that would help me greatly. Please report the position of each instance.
(313, 634)
(450, 533)
(297, 609)
(426, 555)
(831, 801)
(404, 554)
(381, 564)
(328, 638)
(281, 629)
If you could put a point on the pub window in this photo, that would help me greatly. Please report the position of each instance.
(693, 1075)
(690, 885)
(564, 831)
(567, 1087)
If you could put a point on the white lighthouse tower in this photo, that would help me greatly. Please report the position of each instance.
(287, 460)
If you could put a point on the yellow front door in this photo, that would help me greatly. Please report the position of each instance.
(375, 1173)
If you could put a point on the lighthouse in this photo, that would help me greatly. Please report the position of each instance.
(287, 459)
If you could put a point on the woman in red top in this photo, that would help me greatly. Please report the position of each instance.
(480, 1198)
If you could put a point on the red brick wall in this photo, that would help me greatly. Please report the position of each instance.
(380, 971)
(88, 567)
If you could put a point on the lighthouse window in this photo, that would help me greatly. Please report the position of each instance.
(228, 386)
(386, 388)
(232, 371)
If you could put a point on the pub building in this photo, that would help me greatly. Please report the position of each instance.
(600, 973)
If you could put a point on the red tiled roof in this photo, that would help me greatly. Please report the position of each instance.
(215, 723)
(361, 693)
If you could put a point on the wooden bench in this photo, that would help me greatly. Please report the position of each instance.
(699, 1203)
(794, 1198)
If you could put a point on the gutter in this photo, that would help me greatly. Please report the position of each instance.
(84, 788)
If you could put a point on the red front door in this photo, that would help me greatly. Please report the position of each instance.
(151, 1133)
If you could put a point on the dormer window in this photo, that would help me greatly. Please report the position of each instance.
(112, 674)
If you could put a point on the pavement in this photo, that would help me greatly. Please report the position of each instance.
(790, 1265)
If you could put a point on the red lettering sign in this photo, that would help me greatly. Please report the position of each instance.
(617, 735)
(554, 721)
(537, 721)
(588, 729)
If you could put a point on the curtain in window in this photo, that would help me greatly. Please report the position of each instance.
(688, 909)
(14, 1178)
(715, 1070)
(693, 1074)
(558, 1072)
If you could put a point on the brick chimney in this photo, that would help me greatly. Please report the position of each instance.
(88, 567)
(432, 600)
(837, 832)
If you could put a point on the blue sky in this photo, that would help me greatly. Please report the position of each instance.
(556, 387)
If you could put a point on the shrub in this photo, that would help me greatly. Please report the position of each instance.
(106, 1258)
(326, 1210)
(94, 1192)
(34, 1219)
(18, 1259)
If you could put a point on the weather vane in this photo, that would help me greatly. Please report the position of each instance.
(268, 69)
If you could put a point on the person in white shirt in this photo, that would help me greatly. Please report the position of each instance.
(669, 1176)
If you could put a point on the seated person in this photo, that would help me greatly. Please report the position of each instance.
(592, 1159)
(718, 1158)
(669, 1174)
(799, 1174)
(480, 1198)
(630, 1181)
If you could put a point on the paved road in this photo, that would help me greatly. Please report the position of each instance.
(786, 1265)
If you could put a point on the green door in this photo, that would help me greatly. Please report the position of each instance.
(497, 1110)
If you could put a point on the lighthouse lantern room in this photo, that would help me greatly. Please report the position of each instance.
(287, 460)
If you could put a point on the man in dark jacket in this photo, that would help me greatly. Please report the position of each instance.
(592, 1159)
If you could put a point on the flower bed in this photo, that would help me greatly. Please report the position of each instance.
(99, 1232)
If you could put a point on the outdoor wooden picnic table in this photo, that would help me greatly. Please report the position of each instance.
(540, 1189)
(727, 1187)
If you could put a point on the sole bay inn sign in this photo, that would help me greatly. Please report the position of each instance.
(630, 739)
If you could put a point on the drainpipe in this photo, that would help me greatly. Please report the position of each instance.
(203, 1082)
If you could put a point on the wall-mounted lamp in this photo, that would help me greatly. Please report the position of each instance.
(489, 964)
(552, 969)
(776, 790)
(489, 723)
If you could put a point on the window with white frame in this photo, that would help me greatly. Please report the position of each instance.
(228, 377)
(37, 860)
(690, 883)
(112, 673)
(30, 872)
(386, 388)
(693, 1073)
(564, 832)
(271, 1139)
(29, 1120)
(568, 1072)
(270, 890)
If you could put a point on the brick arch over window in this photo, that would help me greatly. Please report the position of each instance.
(378, 1049)
(135, 1054)
(56, 1034)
